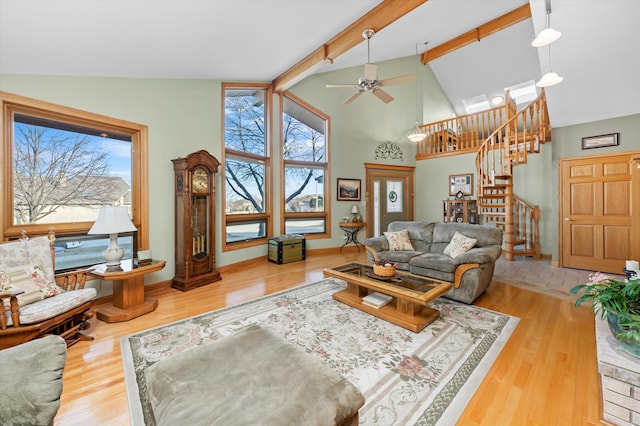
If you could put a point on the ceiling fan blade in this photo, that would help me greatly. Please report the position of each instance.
(352, 98)
(370, 71)
(334, 86)
(382, 95)
(398, 80)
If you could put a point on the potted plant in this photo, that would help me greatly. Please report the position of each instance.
(619, 303)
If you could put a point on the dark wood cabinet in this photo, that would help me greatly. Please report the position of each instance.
(195, 220)
(460, 210)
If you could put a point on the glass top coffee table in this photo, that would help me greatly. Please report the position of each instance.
(410, 293)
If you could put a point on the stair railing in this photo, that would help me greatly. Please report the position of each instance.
(526, 230)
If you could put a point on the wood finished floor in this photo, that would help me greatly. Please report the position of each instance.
(545, 375)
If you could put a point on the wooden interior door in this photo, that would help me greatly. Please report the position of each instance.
(390, 196)
(598, 229)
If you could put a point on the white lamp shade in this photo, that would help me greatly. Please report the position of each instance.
(112, 220)
(354, 209)
(549, 79)
(546, 36)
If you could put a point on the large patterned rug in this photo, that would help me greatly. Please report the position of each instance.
(407, 378)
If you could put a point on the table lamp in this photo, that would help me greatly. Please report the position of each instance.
(112, 220)
(354, 211)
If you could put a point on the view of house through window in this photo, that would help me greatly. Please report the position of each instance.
(305, 165)
(64, 173)
(246, 162)
(65, 165)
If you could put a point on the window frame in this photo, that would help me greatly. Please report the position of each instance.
(267, 216)
(12, 104)
(326, 165)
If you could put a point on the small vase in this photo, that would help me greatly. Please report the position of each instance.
(629, 347)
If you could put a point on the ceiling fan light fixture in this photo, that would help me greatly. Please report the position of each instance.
(549, 79)
(546, 36)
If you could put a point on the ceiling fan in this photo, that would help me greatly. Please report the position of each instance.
(370, 80)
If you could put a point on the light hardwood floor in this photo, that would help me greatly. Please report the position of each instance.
(545, 375)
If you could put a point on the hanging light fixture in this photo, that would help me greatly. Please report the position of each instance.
(416, 134)
(548, 35)
(545, 38)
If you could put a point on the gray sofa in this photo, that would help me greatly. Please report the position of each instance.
(470, 272)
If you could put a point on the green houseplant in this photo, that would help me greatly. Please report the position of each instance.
(619, 303)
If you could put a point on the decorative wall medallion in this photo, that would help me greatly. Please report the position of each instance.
(389, 150)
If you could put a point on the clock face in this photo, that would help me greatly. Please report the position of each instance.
(200, 181)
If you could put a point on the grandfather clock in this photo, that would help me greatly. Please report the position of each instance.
(195, 220)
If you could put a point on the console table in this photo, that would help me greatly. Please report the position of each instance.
(351, 230)
(129, 300)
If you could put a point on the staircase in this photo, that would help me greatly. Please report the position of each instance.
(521, 134)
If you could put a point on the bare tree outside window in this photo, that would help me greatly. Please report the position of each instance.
(61, 175)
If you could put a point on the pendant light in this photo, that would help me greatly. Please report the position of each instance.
(548, 35)
(416, 134)
(545, 38)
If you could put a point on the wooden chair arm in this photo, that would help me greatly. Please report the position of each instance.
(460, 270)
(372, 251)
(73, 280)
(13, 308)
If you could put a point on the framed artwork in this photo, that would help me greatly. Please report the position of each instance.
(461, 185)
(348, 189)
(600, 141)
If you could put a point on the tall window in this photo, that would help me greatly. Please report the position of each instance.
(65, 164)
(247, 188)
(306, 168)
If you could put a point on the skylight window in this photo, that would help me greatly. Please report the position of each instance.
(476, 104)
(523, 92)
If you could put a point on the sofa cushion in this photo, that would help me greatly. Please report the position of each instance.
(420, 233)
(459, 244)
(32, 381)
(53, 306)
(435, 262)
(399, 240)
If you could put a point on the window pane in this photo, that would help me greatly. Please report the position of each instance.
(244, 121)
(303, 140)
(304, 226)
(304, 189)
(77, 251)
(64, 173)
(245, 231)
(245, 186)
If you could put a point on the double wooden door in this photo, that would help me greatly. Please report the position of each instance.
(600, 211)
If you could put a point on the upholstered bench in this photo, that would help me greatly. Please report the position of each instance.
(253, 377)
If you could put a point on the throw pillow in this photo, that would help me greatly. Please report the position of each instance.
(399, 240)
(31, 279)
(459, 244)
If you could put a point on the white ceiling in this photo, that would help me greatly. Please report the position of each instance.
(257, 40)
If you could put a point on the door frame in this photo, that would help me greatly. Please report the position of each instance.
(374, 170)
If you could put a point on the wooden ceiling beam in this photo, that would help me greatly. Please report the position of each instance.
(478, 33)
(377, 18)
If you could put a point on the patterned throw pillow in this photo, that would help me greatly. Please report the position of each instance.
(31, 279)
(398, 240)
(459, 244)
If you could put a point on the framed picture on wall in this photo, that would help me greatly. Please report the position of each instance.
(461, 183)
(600, 141)
(348, 189)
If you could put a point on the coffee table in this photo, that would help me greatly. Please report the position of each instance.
(411, 294)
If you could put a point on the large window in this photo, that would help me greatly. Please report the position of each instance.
(306, 168)
(62, 165)
(247, 168)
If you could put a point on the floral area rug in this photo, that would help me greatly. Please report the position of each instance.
(407, 378)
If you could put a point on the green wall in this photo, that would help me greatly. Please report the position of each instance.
(184, 116)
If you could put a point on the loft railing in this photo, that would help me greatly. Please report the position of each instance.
(459, 135)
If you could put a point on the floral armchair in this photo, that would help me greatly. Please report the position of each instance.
(34, 302)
